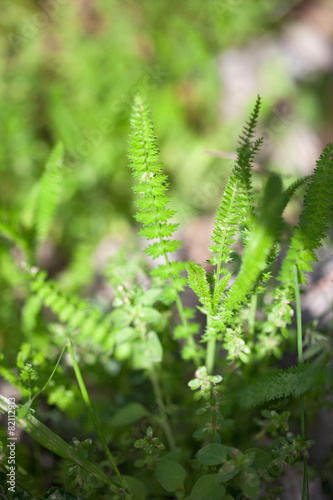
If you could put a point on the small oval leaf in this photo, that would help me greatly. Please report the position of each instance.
(207, 489)
(129, 414)
(213, 454)
(136, 487)
(170, 474)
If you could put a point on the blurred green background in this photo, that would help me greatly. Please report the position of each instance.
(69, 72)
(70, 69)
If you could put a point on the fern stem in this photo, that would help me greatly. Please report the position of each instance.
(305, 488)
(190, 341)
(86, 399)
(298, 316)
(252, 316)
(223, 241)
(159, 399)
(210, 355)
(210, 350)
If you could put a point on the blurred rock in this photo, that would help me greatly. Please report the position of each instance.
(273, 67)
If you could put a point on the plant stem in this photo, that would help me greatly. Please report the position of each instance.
(305, 488)
(95, 422)
(51, 376)
(190, 341)
(252, 316)
(210, 355)
(210, 350)
(160, 402)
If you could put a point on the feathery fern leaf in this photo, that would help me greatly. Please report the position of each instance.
(287, 195)
(76, 313)
(197, 280)
(10, 232)
(152, 202)
(237, 201)
(312, 226)
(154, 215)
(50, 191)
(259, 245)
(248, 150)
(307, 238)
(291, 382)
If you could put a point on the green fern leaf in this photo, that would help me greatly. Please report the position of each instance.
(237, 201)
(291, 382)
(197, 280)
(76, 313)
(10, 232)
(259, 245)
(146, 166)
(50, 191)
(313, 221)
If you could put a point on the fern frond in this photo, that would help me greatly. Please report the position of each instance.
(259, 245)
(76, 313)
(154, 214)
(219, 290)
(313, 221)
(197, 280)
(291, 190)
(248, 149)
(237, 201)
(291, 382)
(50, 191)
(31, 308)
(146, 166)
(11, 232)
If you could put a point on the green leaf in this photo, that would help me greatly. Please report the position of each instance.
(250, 484)
(154, 349)
(219, 290)
(227, 472)
(259, 244)
(149, 315)
(293, 381)
(213, 454)
(121, 316)
(170, 474)
(149, 297)
(50, 190)
(128, 415)
(51, 441)
(207, 489)
(249, 457)
(136, 487)
(14, 235)
(262, 458)
(125, 335)
(148, 351)
(24, 410)
(197, 279)
(313, 221)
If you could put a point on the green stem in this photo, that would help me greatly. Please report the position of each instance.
(252, 316)
(189, 340)
(305, 488)
(160, 402)
(95, 422)
(213, 421)
(51, 376)
(210, 355)
(210, 350)
(298, 316)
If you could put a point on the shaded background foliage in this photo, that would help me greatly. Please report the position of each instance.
(69, 72)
